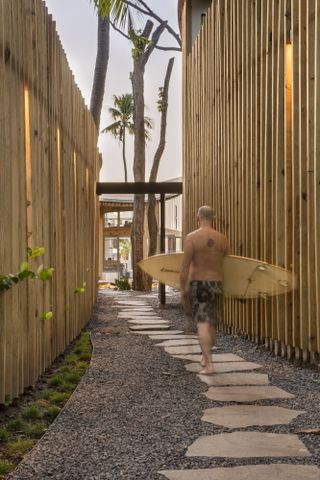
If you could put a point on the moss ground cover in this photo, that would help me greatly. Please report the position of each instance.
(24, 421)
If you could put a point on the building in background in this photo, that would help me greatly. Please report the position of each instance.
(116, 212)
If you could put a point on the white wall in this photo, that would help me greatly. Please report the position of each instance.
(198, 7)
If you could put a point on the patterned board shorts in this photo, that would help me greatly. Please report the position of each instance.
(206, 300)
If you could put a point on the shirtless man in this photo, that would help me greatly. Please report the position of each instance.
(201, 280)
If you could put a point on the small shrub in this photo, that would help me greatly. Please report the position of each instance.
(20, 447)
(85, 355)
(71, 359)
(16, 425)
(72, 377)
(5, 467)
(82, 366)
(53, 411)
(58, 398)
(4, 435)
(56, 381)
(31, 412)
(123, 283)
(79, 349)
(46, 393)
(36, 430)
(65, 369)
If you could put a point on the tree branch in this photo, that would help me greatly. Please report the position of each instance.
(151, 13)
(158, 47)
(164, 111)
(154, 40)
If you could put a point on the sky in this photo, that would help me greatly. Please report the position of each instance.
(76, 23)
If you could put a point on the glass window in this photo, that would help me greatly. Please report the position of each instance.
(126, 219)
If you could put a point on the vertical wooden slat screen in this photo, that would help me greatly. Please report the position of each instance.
(252, 150)
(49, 166)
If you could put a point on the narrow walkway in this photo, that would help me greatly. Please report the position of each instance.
(142, 411)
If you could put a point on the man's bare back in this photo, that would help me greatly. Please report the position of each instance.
(209, 248)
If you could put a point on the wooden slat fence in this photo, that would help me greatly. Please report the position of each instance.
(49, 166)
(252, 150)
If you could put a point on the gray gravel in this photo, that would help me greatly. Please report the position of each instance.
(137, 409)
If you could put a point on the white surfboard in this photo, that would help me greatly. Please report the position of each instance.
(243, 277)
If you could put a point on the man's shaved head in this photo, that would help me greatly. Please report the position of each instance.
(206, 213)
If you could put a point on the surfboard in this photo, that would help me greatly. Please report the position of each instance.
(244, 277)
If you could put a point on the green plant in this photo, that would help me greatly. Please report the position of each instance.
(139, 43)
(4, 435)
(20, 447)
(35, 430)
(16, 425)
(59, 398)
(122, 283)
(53, 411)
(31, 412)
(25, 273)
(5, 467)
(81, 289)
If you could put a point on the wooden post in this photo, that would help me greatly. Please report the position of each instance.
(162, 287)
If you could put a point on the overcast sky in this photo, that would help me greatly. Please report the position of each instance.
(76, 23)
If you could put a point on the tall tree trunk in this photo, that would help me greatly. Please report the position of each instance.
(140, 281)
(124, 156)
(100, 71)
(152, 204)
(139, 173)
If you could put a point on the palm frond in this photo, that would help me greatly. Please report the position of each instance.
(117, 10)
(113, 128)
(148, 122)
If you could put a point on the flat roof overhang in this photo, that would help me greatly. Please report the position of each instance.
(139, 188)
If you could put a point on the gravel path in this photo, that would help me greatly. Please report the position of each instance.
(137, 409)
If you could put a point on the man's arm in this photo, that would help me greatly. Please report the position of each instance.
(184, 272)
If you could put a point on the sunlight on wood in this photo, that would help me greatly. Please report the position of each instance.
(28, 160)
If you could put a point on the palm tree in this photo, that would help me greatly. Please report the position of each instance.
(116, 11)
(122, 115)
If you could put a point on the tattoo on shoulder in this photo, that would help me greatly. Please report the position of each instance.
(210, 242)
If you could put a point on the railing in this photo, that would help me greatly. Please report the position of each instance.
(49, 165)
(252, 150)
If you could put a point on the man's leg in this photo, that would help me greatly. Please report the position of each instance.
(206, 334)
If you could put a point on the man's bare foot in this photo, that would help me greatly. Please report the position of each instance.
(203, 363)
(209, 370)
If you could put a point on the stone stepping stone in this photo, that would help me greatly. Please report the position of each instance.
(149, 321)
(239, 416)
(144, 314)
(225, 367)
(248, 445)
(172, 336)
(148, 328)
(180, 342)
(136, 311)
(186, 350)
(246, 393)
(251, 472)
(222, 357)
(224, 379)
(143, 317)
(131, 302)
(160, 335)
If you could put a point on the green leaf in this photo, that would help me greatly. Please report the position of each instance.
(40, 269)
(79, 290)
(25, 274)
(24, 267)
(47, 316)
(35, 252)
(13, 278)
(46, 274)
